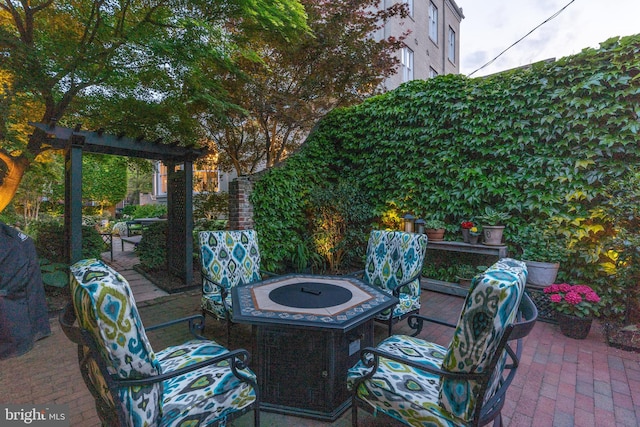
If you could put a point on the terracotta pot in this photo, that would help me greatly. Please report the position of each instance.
(435, 234)
(573, 326)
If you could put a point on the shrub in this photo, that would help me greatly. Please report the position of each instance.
(150, 211)
(152, 249)
(49, 241)
(210, 206)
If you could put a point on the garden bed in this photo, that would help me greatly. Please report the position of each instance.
(618, 337)
(171, 284)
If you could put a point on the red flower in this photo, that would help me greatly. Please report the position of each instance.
(467, 224)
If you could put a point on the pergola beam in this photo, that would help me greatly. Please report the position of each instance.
(119, 145)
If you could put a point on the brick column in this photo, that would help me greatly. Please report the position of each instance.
(240, 209)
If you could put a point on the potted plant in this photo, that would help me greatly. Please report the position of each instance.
(474, 234)
(465, 226)
(543, 249)
(493, 223)
(434, 229)
(575, 306)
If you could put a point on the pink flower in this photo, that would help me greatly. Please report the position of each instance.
(556, 298)
(564, 287)
(573, 298)
(551, 289)
(592, 297)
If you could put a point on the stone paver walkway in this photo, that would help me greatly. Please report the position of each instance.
(561, 382)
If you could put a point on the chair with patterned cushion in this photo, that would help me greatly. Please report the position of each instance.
(421, 383)
(394, 264)
(196, 383)
(228, 259)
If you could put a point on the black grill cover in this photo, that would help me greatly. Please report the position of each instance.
(23, 307)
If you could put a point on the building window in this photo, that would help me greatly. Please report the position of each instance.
(409, 6)
(432, 73)
(452, 45)
(433, 22)
(407, 64)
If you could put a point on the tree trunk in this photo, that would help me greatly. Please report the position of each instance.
(16, 166)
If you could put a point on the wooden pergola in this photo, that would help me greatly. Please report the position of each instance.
(179, 161)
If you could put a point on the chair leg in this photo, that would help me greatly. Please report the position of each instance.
(256, 415)
(390, 324)
(354, 412)
(228, 332)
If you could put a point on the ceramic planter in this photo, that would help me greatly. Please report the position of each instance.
(542, 273)
(493, 234)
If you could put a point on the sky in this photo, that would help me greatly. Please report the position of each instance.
(490, 26)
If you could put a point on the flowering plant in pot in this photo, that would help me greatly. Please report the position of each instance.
(465, 226)
(474, 234)
(575, 307)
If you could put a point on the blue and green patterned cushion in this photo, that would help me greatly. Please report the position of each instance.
(418, 398)
(394, 257)
(204, 395)
(491, 304)
(106, 308)
(228, 258)
(401, 391)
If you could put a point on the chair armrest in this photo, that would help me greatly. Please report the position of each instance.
(196, 325)
(370, 357)
(416, 321)
(396, 291)
(238, 360)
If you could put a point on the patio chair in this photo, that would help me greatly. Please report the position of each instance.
(195, 383)
(422, 383)
(229, 258)
(394, 264)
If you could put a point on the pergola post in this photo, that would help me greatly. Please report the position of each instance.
(73, 198)
(180, 222)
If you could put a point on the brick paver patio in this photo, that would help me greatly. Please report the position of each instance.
(561, 382)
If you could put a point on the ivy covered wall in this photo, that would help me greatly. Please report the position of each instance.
(543, 144)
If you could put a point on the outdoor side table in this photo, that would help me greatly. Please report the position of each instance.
(309, 330)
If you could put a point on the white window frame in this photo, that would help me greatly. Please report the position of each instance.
(433, 22)
(432, 73)
(409, 6)
(406, 60)
(452, 45)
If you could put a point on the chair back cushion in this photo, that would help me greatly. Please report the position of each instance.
(394, 257)
(490, 306)
(105, 307)
(230, 257)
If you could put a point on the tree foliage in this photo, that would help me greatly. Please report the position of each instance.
(282, 97)
(131, 66)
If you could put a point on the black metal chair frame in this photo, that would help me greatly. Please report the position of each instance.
(238, 360)
(485, 412)
(223, 294)
(396, 293)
